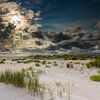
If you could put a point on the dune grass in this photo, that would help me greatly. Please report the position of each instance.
(15, 78)
(25, 79)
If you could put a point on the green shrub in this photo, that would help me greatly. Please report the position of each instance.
(69, 65)
(95, 63)
(65, 57)
(95, 78)
(49, 62)
(37, 65)
(89, 65)
(44, 62)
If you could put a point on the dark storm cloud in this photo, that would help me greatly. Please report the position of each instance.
(69, 39)
(68, 44)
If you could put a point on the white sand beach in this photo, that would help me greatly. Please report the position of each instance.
(76, 79)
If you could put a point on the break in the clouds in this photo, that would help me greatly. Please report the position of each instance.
(16, 24)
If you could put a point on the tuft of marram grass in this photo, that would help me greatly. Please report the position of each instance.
(10, 77)
(25, 79)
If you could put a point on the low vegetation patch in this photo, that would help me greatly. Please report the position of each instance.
(64, 57)
(77, 63)
(95, 63)
(95, 78)
(25, 61)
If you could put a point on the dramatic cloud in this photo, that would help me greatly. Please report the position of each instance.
(16, 24)
(19, 28)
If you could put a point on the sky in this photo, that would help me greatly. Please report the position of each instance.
(80, 16)
(58, 14)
